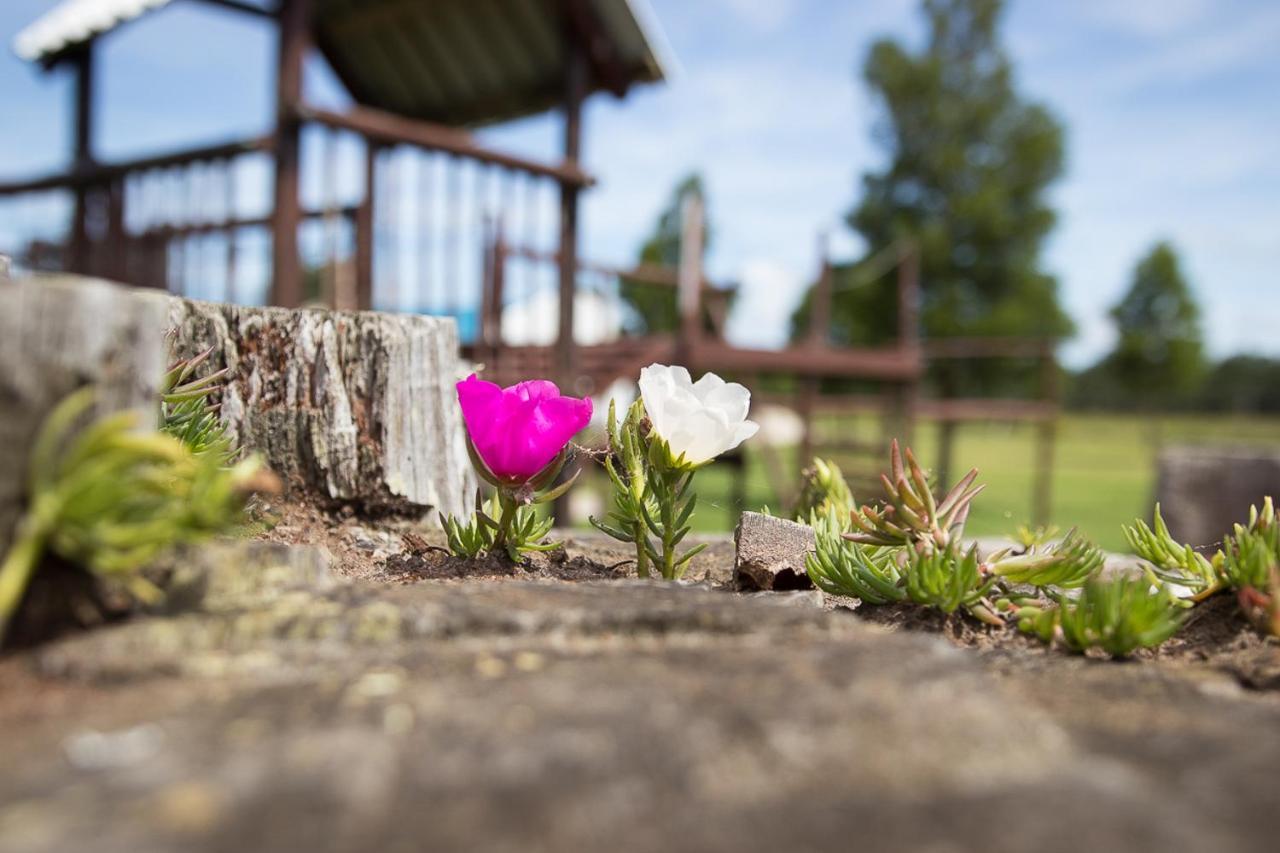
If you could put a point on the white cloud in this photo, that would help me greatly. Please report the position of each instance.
(769, 292)
(764, 15)
(1147, 18)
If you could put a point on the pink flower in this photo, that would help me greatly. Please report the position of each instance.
(518, 431)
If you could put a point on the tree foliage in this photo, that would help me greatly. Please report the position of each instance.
(655, 306)
(1243, 383)
(1159, 348)
(1158, 360)
(969, 163)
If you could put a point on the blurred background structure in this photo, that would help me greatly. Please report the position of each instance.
(386, 179)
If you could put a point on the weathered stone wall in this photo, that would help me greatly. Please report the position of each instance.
(1202, 491)
(350, 407)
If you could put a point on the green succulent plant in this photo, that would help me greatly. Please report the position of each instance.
(1118, 615)
(840, 567)
(188, 413)
(1251, 556)
(1251, 565)
(949, 579)
(1172, 562)
(910, 513)
(823, 488)
(945, 579)
(1067, 564)
(479, 534)
(652, 498)
(110, 499)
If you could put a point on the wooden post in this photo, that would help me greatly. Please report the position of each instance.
(115, 260)
(364, 229)
(229, 202)
(946, 451)
(82, 156)
(576, 74)
(908, 295)
(491, 310)
(295, 36)
(1046, 438)
(908, 336)
(819, 323)
(689, 279)
(820, 305)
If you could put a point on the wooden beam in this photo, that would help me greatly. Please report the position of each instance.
(688, 290)
(103, 173)
(295, 36)
(244, 8)
(392, 129)
(820, 304)
(576, 82)
(908, 295)
(970, 348)
(215, 226)
(490, 336)
(82, 155)
(963, 409)
(364, 230)
(1046, 439)
(658, 275)
(860, 363)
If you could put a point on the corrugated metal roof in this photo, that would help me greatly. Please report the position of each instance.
(459, 62)
(73, 22)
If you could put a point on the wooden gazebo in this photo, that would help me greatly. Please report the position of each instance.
(420, 74)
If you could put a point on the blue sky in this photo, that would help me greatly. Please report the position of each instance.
(1172, 109)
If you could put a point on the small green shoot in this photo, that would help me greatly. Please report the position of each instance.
(652, 498)
(1173, 562)
(1032, 537)
(479, 534)
(947, 580)
(1068, 564)
(911, 514)
(186, 410)
(110, 499)
(840, 567)
(824, 489)
(1251, 565)
(1118, 615)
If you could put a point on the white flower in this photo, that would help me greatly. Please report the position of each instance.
(699, 419)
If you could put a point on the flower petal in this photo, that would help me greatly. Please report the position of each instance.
(731, 398)
(742, 432)
(659, 384)
(517, 431)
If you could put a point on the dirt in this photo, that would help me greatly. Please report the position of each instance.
(1215, 635)
(398, 551)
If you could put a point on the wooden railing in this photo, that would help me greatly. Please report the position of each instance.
(411, 237)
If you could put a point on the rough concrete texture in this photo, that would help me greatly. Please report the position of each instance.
(1203, 491)
(538, 716)
(57, 334)
(771, 553)
(354, 408)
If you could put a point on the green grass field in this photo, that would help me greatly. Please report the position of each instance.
(1104, 476)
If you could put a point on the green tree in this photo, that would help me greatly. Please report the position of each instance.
(969, 164)
(655, 305)
(1159, 356)
(1243, 383)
